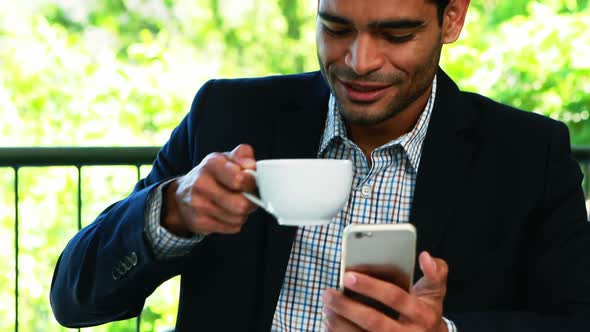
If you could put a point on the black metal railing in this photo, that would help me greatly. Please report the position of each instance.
(17, 158)
(79, 157)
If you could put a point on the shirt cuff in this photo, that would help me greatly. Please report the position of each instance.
(163, 243)
(450, 325)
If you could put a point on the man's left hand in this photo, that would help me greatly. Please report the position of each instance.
(420, 310)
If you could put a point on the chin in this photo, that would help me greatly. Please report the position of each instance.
(367, 114)
(364, 116)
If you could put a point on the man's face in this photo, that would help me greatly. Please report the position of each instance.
(378, 56)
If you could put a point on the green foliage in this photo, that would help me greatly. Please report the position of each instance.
(123, 72)
(536, 61)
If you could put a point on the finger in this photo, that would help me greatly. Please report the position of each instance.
(387, 293)
(335, 322)
(435, 273)
(358, 314)
(211, 189)
(243, 155)
(229, 174)
(204, 217)
(429, 267)
(204, 224)
(205, 207)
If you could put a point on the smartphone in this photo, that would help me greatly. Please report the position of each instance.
(386, 252)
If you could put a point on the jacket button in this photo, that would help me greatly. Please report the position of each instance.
(129, 261)
(116, 273)
(133, 259)
(126, 264)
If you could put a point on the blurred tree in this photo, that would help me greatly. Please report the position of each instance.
(536, 60)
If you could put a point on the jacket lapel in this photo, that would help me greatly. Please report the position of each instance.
(299, 129)
(446, 156)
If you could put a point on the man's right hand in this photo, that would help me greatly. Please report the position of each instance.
(209, 198)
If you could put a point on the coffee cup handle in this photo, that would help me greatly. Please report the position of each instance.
(253, 198)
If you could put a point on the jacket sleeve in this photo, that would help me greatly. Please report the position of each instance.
(557, 284)
(107, 270)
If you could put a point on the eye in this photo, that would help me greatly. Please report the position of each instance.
(398, 39)
(334, 31)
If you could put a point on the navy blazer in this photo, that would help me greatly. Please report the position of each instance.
(498, 196)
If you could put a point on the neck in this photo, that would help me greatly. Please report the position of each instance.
(369, 138)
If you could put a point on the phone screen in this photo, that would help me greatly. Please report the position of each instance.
(387, 273)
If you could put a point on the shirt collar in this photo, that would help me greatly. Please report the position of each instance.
(411, 142)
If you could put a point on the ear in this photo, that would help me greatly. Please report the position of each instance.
(453, 20)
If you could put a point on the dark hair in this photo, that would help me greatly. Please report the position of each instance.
(441, 6)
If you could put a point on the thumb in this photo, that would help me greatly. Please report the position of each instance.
(435, 273)
(243, 155)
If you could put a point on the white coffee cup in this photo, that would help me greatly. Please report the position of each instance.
(302, 192)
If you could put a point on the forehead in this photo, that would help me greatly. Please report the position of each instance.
(363, 11)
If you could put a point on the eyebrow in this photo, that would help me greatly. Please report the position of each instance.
(387, 24)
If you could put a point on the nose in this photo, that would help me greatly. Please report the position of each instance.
(364, 55)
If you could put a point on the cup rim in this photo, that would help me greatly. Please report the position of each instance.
(320, 161)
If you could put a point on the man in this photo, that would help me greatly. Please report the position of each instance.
(493, 192)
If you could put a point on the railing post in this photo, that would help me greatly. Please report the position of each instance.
(16, 248)
(138, 319)
(79, 168)
(79, 217)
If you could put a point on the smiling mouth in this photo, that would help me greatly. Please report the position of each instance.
(364, 92)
